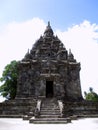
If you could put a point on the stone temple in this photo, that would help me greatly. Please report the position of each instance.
(48, 85)
(49, 71)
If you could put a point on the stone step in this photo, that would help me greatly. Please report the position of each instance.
(50, 109)
(49, 112)
(49, 106)
(50, 116)
(52, 113)
(50, 120)
(50, 102)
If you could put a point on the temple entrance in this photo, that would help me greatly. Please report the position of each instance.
(49, 89)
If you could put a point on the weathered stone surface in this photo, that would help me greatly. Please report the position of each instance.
(17, 107)
(49, 63)
(81, 108)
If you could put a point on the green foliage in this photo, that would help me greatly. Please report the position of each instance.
(91, 95)
(9, 80)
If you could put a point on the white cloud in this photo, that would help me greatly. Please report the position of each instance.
(16, 38)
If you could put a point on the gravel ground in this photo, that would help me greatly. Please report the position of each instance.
(19, 124)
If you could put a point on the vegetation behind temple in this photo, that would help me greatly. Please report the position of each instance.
(9, 80)
(91, 95)
(9, 83)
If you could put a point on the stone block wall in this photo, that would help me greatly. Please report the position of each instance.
(80, 108)
(17, 107)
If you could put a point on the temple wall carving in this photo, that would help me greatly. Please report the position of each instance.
(49, 62)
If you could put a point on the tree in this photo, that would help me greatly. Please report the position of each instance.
(91, 90)
(9, 80)
(91, 95)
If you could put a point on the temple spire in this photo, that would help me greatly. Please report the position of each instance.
(48, 23)
(48, 32)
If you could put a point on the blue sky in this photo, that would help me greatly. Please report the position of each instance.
(74, 21)
(61, 13)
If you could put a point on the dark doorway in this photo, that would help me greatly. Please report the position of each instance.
(49, 89)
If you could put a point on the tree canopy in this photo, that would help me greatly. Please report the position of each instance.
(9, 80)
(91, 95)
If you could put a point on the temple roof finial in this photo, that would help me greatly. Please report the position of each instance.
(48, 31)
(48, 23)
(71, 56)
(70, 51)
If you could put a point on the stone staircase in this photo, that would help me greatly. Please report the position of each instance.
(49, 113)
